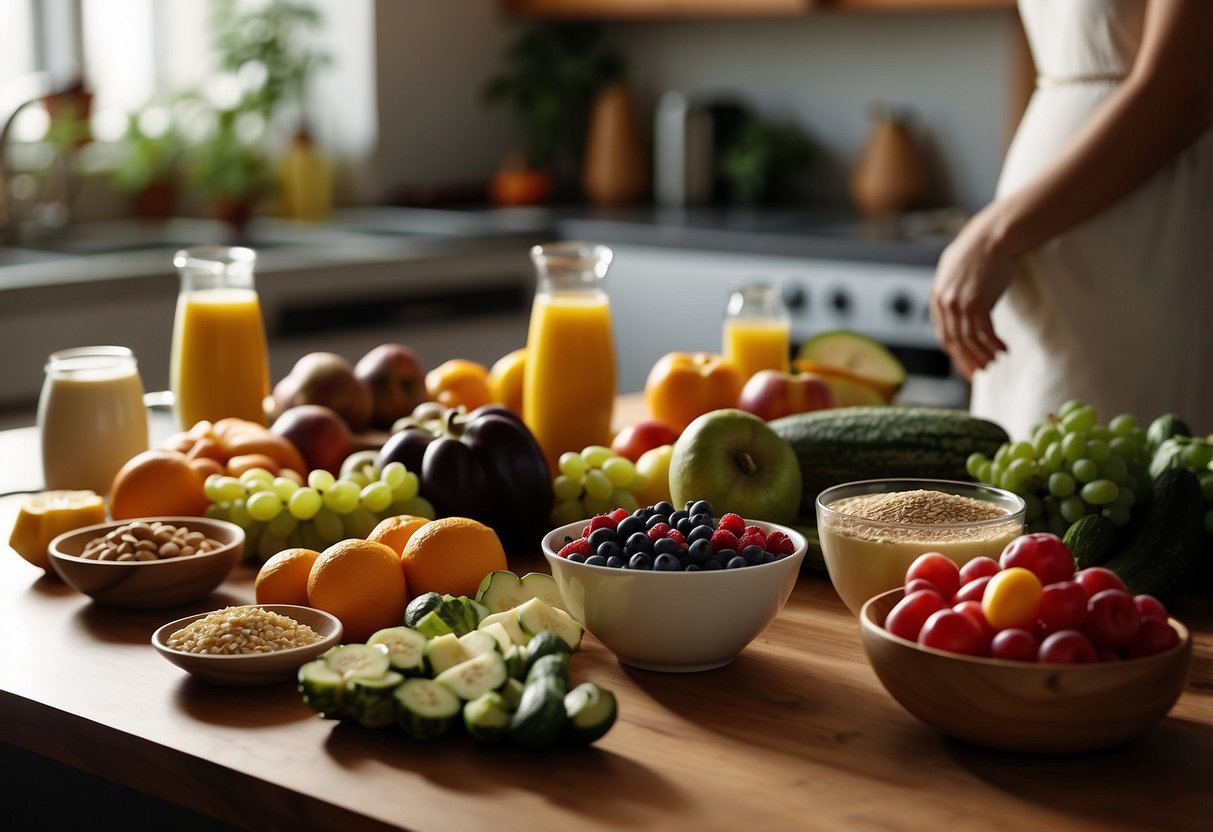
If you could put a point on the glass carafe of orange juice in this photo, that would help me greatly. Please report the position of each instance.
(568, 391)
(220, 362)
(757, 330)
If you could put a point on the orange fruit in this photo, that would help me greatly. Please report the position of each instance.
(283, 578)
(505, 379)
(394, 532)
(451, 555)
(45, 516)
(360, 582)
(459, 382)
(155, 483)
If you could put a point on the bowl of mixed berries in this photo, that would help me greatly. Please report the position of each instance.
(674, 589)
(1026, 653)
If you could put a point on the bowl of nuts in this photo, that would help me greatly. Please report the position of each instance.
(149, 562)
(248, 645)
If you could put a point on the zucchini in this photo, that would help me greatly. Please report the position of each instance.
(425, 709)
(486, 717)
(536, 615)
(590, 712)
(1166, 551)
(545, 644)
(405, 649)
(502, 590)
(552, 669)
(370, 700)
(846, 444)
(540, 717)
(508, 620)
(420, 606)
(1091, 539)
(474, 677)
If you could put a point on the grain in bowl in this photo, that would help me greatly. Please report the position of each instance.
(240, 631)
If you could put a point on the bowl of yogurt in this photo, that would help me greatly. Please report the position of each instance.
(871, 531)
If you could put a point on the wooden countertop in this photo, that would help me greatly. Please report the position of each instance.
(796, 733)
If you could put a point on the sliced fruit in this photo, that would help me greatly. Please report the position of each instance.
(591, 712)
(509, 621)
(848, 390)
(536, 615)
(545, 644)
(486, 717)
(370, 699)
(425, 709)
(478, 642)
(43, 517)
(325, 680)
(540, 716)
(474, 677)
(499, 633)
(503, 590)
(858, 354)
(444, 651)
(405, 649)
(433, 624)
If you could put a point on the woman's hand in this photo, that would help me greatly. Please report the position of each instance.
(970, 278)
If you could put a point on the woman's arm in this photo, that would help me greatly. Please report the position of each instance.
(1164, 105)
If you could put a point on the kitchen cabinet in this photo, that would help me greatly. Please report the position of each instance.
(659, 9)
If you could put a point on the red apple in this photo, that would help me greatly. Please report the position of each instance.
(770, 394)
(326, 379)
(396, 378)
(322, 437)
(634, 440)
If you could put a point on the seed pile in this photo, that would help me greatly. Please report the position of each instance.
(148, 541)
(242, 630)
(923, 516)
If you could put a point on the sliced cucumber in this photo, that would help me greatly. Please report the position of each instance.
(420, 606)
(537, 615)
(434, 623)
(591, 712)
(515, 662)
(503, 590)
(553, 669)
(463, 613)
(486, 717)
(357, 659)
(477, 642)
(540, 716)
(442, 652)
(405, 649)
(545, 644)
(370, 700)
(476, 676)
(511, 693)
(426, 709)
(542, 585)
(497, 630)
(323, 688)
(508, 620)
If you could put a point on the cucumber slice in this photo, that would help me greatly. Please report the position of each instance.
(477, 642)
(434, 623)
(540, 716)
(511, 693)
(474, 677)
(508, 620)
(591, 712)
(425, 709)
(499, 634)
(545, 644)
(323, 688)
(357, 659)
(462, 613)
(423, 604)
(551, 669)
(486, 717)
(503, 590)
(856, 354)
(515, 662)
(536, 615)
(445, 651)
(405, 649)
(370, 700)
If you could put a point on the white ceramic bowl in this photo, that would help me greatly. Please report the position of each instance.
(674, 621)
(866, 557)
(151, 583)
(246, 670)
(1024, 706)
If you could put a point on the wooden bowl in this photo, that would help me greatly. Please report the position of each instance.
(249, 669)
(1022, 706)
(152, 583)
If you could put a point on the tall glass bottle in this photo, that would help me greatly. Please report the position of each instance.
(220, 361)
(569, 384)
(757, 330)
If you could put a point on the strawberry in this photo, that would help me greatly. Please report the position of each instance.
(732, 523)
(780, 544)
(724, 539)
(580, 546)
(658, 531)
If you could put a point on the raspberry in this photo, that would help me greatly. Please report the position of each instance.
(724, 539)
(678, 537)
(780, 544)
(755, 536)
(618, 514)
(602, 521)
(732, 523)
(586, 531)
(658, 531)
(580, 546)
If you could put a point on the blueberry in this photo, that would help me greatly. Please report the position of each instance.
(610, 549)
(628, 526)
(684, 525)
(700, 507)
(753, 554)
(576, 557)
(600, 536)
(700, 519)
(664, 507)
(640, 561)
(699, 533)
(677, 517)
(711, 563)
(665, 546)
(615, 562)
(735, 562)
(768, 557)
(655, 519)
(642, 513)
(700, 550)
(693, 567)
(638, 542)
(666, 563)
(595, 560)
(726, 555)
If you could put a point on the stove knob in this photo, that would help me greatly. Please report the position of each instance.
(902, 306)
(841, 301)
(795, 298)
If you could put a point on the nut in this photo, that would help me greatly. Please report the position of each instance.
(141, 541)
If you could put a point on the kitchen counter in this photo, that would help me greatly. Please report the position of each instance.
(796, 733)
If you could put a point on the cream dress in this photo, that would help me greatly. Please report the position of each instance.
(1118, 311)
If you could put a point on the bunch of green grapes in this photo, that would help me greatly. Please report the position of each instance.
(1072, 466)
(278, 513)
(595, 481)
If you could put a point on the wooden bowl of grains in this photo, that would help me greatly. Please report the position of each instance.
(248, 645)
(871, 531)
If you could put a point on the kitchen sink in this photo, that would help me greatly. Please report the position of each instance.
(25, 256)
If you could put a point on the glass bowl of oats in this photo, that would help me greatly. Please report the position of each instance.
(253, 644)
(871, 531)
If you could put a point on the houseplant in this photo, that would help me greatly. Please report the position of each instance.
(149, 170)
(231, 172)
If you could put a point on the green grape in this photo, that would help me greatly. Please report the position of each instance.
(282, 524)
(304, 503)
(1034, 507)
(218, 511)
(328, 525)
(284, 488)
(230, 489)
(239, 515)
(269, 544)
(1198, 455)
(983, 472)
(321, 480)
(599, 505)
(565, 487)
(1097, 450)
(1073, 446)
(1061, 484)
(1119, 516)
(407, 488)
(309, 537)
(1017, 474)
(597, 485)
(1080, 419)
(1001, 455)
(358, 477)
(1072, 508)
(619, 470)
(1100, 432)
(1021, 450)
(264, 506)
(569, 511)
(996, 469)
(257, 479)
(1084, 470)
(974, 464)
(622, 498)
(1052, 460)
(1068, 406)
(416, 506)
(394, 473)
(376, 497)
(342, 497)
(359, 522)
(596, 455)
(573, 465)
(1122, 425)
(1099, 492)
(1115, 469)
(211, 488)
(1043, 438)
(1124, 447)
(1125, 499)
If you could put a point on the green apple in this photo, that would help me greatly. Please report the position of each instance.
(654, 467)
(736, 462)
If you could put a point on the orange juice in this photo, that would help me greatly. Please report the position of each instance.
(753, 344)
(569, 383)
(220, 363)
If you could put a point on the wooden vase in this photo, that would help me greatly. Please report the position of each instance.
(614, 170)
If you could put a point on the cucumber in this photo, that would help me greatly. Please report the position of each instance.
(540, 717)
(545, 644)
(405, 649)
(445, 651)
(508, 620)
(500, 635)
(323, 681)
(552, 669)
(486, 717)
(370, 698)
(1163, 428)
(426, 709)
(502, 590)
(515, 662)
(434, 623)
(511, 693)
(463, 613)
(474, 677)
(1091, 539)
(845, 444)
(1166, 551)
(420, 606)
(590, 712)
(477, 642)
(536, 615)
